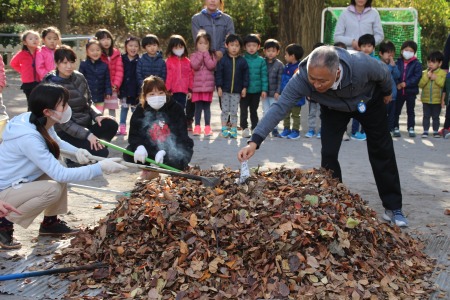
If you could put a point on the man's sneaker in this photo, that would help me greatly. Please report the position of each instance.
(318, 135)
(7, 242)
(436, 134)
(345, 137)
(358, 136)
(197, 130)
(275, 133)
(233, 133)
(285, 133)
(310, 133)
(56, 228)
(246, 133)
(208, 130)
(396, 132)
(395, 216)
(411, 132)
(295, 134)
(425, 134)
(225, 132)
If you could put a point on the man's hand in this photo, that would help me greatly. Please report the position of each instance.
(276, 96)
(263, 95)
(219, 92)
(219, 55)
(247, 152)
(244, 93)
(387, 99)
(355, 45)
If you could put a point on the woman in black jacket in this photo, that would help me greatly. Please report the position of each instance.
(87, 124)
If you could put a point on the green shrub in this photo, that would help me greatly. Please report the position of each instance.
(11, 28)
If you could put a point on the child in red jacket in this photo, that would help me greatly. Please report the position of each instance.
(111, 56)
(179, 74)
(203, 62)
(24, 62)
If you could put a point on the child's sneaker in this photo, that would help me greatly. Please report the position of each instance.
(197, 130)
(295, 134)
(319, 136)
(425, 134)
(285, 133)
(396, 132)
(358, 136)
(208, 131)
(275, 133)
(411, 132)
(233, 133)
(246, 133)
(225, 132)
(396, 216)
(310, 133)
(123, 129)
(436, 134)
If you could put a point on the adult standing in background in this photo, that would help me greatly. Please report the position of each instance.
(358, 19)
(216, 23)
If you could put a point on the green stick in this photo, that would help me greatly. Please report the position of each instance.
(123, 150)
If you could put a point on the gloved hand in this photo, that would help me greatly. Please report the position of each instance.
(83, 156)
(140, 154)
(159, 157)
(110, 165)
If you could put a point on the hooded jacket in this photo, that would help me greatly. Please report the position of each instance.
(232, 74)
(351, 25)
(80, 101)
(97, 77)
(432, 89)
(218, 26)
(164, 129)
(258, 73)
(115, 66)
(364, 79)
(148, 65)
(45, 62)
(179, 75)
(24, 156)
(203, 65)
(410, 73)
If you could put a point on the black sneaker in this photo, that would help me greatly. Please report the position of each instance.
(56, 228)
(7, 241)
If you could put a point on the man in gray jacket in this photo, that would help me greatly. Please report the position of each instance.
(346, 86)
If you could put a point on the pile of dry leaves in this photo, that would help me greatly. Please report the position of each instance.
(285, 234)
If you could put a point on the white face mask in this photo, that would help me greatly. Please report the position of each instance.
(408, 54)
(64, 116)
(178, 52)
(156, 102)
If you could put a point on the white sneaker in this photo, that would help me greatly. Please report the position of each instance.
(345, 137)
(246, 133)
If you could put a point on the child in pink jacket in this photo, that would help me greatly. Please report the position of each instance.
(203, 62)
(45, 59)
(24, 62)
(112, 57)
(179, 72)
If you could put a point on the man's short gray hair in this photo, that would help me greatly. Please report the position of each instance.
(324, 56)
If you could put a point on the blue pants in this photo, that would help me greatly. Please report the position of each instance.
(410, 104)
(204, 106)
(390, 107)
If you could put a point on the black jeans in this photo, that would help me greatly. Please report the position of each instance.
(410, 104)
(105, 132)
(204, 106)
(431, 111)
(251, 101)
(379, 146)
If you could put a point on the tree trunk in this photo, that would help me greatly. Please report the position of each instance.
(63, 15)
(300, 22)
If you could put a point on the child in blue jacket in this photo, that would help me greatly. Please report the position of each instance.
(407, 85)
(96, 73)
(294, 53)
(151, 62)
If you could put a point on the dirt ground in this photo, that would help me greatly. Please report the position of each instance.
(424, 166)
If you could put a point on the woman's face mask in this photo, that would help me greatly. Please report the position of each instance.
(63, 117)
(156, 102)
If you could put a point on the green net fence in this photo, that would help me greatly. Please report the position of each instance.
(393, 22)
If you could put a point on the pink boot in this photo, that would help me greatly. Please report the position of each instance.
(123, 129)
